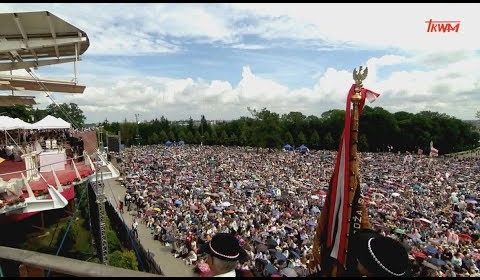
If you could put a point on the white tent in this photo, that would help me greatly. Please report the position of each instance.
(7, 123)
(50, 122)
(22, 124)
(62, 121)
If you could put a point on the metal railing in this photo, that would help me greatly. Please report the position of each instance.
(66, 266)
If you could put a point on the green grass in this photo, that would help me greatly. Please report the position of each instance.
(82, 247)
(82, 239)
(42, 242)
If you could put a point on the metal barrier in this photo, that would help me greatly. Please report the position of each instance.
(34, 264)
(123, 232)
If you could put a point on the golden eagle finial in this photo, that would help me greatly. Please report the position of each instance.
(359, 77)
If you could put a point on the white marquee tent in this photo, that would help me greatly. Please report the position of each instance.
(7, 123)
(50, 122)
(22, 124)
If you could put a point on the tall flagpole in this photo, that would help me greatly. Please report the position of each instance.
(359, 219)
(356, 213)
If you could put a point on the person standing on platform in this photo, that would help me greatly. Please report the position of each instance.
(134, 228)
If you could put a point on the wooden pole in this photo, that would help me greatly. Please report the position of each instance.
(357, 218)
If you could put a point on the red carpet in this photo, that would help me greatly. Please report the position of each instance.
(66, 177)
(11, 166)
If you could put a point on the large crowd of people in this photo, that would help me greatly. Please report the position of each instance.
(270, 201)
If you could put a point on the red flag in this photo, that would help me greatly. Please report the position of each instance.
(334, 223)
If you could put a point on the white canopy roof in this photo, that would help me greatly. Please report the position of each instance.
(50, 122)
(7, 123)
(23, 124)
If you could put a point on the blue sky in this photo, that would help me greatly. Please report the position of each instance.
(182, 60)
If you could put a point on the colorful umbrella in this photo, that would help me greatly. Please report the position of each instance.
(437, 262)
(279, 256)
(425, 220)
(464, 236)
(418, 254)
(431, 250)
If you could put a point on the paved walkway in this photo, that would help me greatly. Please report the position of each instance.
(169, 265)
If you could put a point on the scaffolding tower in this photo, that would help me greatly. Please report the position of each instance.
(102, 215)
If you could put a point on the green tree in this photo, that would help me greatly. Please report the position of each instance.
(362, 143)
(233, 140)
(162, 138)
(213, 139)
(328, 141)
(204, 126)
(402, 130)
(301, 139)
(127, 132)
(164, 124)
(243, 138)
(191, 126)
(189, 138)
(267, 129)
(224, 138)
(171, 136)
(126, 259)
(197, 138)
(153, 139)
(289, 138)
(314, 140)
(74, 113)
(23, 112)
(381, 129)
(69, 241)
(113, 241)
(206, 137)
(181, 135)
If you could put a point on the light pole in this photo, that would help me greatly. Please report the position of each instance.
(138, 136)
(100, 136)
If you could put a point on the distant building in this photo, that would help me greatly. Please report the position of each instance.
(196, 123)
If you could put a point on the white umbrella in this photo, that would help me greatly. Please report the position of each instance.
(395, 194)
(425, 220)
(225, 204)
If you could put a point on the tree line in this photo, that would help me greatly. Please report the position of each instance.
(379, 131)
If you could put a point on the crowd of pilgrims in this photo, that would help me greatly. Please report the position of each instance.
(270, 200)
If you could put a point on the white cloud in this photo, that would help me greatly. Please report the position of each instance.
(445, 66)
(399, 26)
(457, 84)
(248, 46)
(137, 29)
(144, 28)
